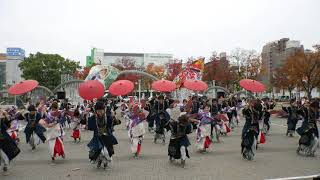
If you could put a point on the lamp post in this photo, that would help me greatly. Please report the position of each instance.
(139, 82)
(214, 89)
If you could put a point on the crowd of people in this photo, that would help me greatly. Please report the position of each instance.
(210, 120)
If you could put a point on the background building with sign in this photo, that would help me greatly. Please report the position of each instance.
(98, 56)
(15, 53)
(10, 72)
(3, 60)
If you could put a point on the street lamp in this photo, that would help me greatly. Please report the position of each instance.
(139, 81)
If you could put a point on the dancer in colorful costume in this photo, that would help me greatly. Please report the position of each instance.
(136, 129)
(204, 129)
(55, 132)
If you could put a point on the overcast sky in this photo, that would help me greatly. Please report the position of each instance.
(183, 28)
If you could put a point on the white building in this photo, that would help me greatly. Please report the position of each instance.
(10, 65)
(141, 59)
(13, 72)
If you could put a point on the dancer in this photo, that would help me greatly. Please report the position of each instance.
(14, 127)
(8, 148)
(293, 117)
(250, 131)
(102, 142)
(308, 141)
(204, 130)
(75, 125)
(224, 122)
(151, 116)
(194, 109)
(234, 114)
(162, 119)
(34, 131)
(179, 142)
(136, 129)
(55, 133)
(214, 125)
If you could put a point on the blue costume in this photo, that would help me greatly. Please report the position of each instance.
(34, 126)
(102, 136)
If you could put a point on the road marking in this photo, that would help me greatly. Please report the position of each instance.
(297, 177)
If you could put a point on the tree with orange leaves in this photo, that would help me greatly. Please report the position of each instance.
(282, 78)
(220, 71)
(83, 73)
(173, 69)
(155, 70)
(254, 68)
(305, 69)
(127, 63)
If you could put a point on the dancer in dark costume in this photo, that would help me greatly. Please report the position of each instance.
(293, 117)
(101, 145)
(250, 130)
(151, 116)
(34, 131)
(179, 142)
(162, 118)
(308, 141)
(8, 148)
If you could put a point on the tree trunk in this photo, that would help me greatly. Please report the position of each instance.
(308, 89)
(290, 93)
(309, 94)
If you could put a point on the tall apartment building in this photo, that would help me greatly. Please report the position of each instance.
(274, 55)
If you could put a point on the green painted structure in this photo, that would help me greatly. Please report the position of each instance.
(90, 59)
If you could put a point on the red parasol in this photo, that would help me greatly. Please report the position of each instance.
(90, 90)
(163, 86)
(252, 85)
(195, 85)
(23, 87)
(121, 87)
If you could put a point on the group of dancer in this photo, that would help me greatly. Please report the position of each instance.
(307, 112)
(208, 118)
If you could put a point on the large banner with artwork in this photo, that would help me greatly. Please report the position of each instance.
(103, 73)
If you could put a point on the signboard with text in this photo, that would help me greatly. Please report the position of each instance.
(15, 52)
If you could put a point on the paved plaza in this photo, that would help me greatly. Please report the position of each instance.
(277, 158)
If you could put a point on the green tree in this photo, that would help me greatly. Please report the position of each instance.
(47, 68)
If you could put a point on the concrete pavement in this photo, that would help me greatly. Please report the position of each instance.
(276, 158)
